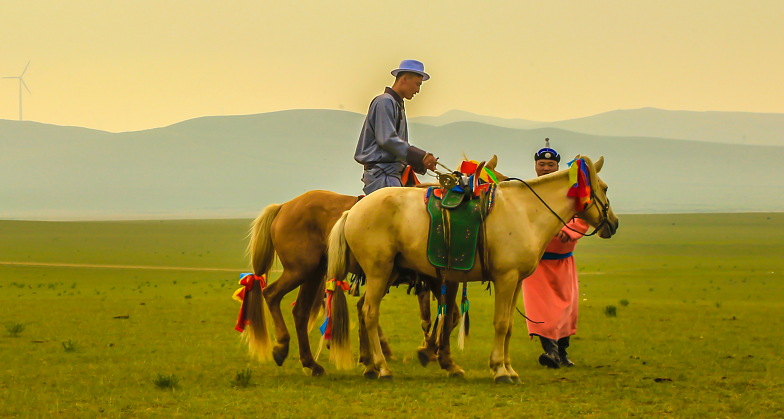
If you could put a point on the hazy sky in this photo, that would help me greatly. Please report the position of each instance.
(127, 65)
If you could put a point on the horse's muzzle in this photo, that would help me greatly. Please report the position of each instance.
(609, 229)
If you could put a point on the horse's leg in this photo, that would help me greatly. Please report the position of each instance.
(444, 348)
(308, 292)
(507, 358)
(424, 313)
(504, 295)
(365, 357)
(427, 352)
(385, 349)
(273, 294)
(374, 293)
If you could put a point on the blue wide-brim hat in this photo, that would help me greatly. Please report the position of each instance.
(412, 66)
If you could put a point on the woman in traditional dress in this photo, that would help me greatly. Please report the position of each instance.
(551, 293)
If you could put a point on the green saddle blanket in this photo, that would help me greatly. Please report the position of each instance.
(455, 228)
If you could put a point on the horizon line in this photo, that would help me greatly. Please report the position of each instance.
(411, 118)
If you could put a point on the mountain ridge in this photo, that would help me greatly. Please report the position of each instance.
(233, 166)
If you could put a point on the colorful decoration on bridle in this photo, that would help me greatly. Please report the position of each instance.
(326, 327)
(247, 281)
(580, 179)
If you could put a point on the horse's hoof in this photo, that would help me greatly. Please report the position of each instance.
(503, 379)
(457, 374)
(516, 379)
(385, 378)
(279, 354)
(371, 375)
(317, 371)
(424, 359)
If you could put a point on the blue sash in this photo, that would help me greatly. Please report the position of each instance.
(555, 256)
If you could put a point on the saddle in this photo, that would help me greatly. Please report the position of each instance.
(457, 216)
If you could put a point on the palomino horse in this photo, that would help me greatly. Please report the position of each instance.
(390, 227)
(297, 231)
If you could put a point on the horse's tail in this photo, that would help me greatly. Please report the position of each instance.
(337, 270)
(260, 247)
(257, 330)
(338, 251)
(262, 254)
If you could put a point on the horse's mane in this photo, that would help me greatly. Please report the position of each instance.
(537, 180)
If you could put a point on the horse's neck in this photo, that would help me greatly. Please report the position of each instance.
(552, 189)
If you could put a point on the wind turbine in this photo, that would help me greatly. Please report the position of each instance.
(21, 82)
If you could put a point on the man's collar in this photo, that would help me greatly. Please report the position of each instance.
(394, 95)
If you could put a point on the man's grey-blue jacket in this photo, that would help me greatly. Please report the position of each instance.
(383, 147)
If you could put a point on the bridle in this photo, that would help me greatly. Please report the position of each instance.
(604, 209)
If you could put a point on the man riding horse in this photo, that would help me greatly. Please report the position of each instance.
(383, 148)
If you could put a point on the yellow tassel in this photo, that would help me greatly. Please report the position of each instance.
(320, 347)
(439, 329)
(461, 334)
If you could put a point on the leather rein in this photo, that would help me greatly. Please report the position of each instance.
(605, 208)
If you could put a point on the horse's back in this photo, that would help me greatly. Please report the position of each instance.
(303, 223)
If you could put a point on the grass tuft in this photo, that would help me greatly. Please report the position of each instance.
(188, 297)
(610, 311)
(624, 302)
(164, 381)
(15, 329)
(69, 347)
(242, 379)
(718, 304)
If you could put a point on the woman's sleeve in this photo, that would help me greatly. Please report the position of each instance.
(578, 225)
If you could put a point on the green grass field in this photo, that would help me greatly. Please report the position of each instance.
(705, 293)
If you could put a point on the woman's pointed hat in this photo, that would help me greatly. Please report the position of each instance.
(547, 153)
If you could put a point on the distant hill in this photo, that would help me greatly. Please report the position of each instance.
(233, 166)
(463, 116)
(716, 127)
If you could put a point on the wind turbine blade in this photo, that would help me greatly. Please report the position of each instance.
(25, 70)
(10, 77)
(25, 85)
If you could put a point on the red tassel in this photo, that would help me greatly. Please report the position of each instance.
(247, 281)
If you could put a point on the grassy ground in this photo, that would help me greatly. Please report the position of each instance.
(705, 293)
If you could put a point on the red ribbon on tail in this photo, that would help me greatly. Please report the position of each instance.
(247, 281)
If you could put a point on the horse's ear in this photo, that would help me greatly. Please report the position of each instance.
(598, 165)
(577, 157)
(492, 162)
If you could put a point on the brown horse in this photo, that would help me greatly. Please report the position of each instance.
(297, 231)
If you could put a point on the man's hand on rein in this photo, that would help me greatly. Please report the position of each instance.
(429, 161)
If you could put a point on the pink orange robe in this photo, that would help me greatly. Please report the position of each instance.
(551, 293)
